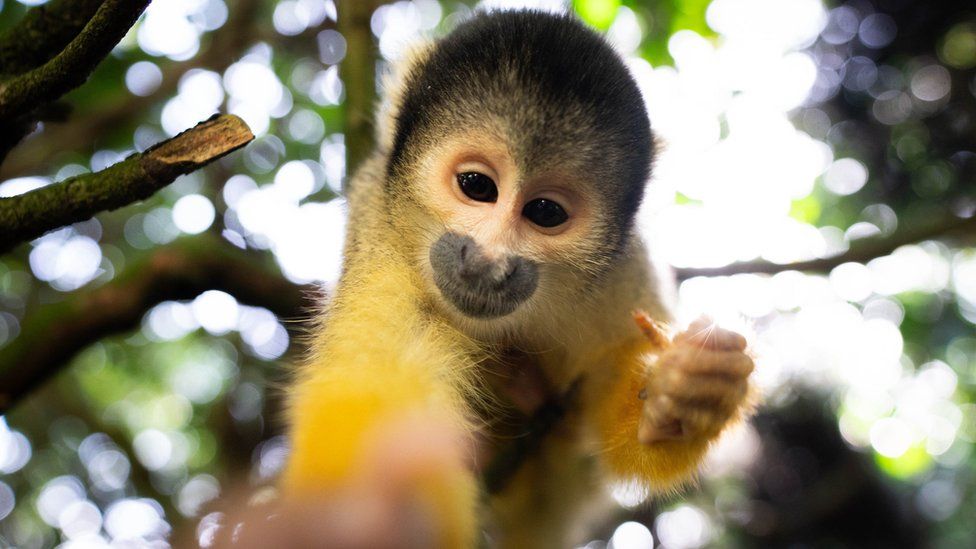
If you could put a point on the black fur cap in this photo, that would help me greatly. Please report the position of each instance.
(554, 80)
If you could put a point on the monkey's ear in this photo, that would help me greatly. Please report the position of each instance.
(394, 84)
(658, 146)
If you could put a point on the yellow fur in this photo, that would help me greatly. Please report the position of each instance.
(377, 360)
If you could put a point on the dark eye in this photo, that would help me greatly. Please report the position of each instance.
(478, 186)
(545, 213)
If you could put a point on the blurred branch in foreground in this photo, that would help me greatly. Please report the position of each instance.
(31, 214)
(54, 333)
(861, 251)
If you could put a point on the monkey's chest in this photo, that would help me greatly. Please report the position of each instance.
(528, 413)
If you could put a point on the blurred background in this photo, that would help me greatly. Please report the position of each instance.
(815, 190)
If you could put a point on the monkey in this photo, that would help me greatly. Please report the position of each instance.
(491, 240)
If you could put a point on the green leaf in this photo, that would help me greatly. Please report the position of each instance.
(690, 15)
(599, 13)
(806, 209)
(913, 462)
(681, 198)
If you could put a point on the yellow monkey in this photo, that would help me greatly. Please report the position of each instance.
(493, 230)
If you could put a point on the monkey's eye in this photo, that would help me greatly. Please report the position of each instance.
(478, 186)
(545, 213)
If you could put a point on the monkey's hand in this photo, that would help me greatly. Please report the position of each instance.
(670, 400)
(696, 385)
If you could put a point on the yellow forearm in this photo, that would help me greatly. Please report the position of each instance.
(657, 421)
(377, 363)
(333, 417)
(348, 429)
(662, 466)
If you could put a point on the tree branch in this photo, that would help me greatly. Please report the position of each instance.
(70, 68)
(54, 333)
(29, 215)
(861, 251)
(358, 73)
(42, 33)
(90, 126)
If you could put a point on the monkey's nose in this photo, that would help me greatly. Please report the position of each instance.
(468, 266)
(475, 268)
(478, 285)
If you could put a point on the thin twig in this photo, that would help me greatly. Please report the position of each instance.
(29, 215)
(861, 251)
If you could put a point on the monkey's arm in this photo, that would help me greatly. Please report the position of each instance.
(670, 401)
(379, 365)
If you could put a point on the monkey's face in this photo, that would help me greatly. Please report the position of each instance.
(501, 235)
(520, 152)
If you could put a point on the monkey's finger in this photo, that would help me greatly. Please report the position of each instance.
(703, 389)
(655, 409)
(346, 518)
(410, 447)
(656, 424)
(649, 432)
(722, 396)
(699, 420)
(705, 333)
(654, 331)
(694, 360)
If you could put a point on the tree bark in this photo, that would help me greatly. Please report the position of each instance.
(70, 68)
(42, 33)
(29, 215)
(38, 154)
(358, 73)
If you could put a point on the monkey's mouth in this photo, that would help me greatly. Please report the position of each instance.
(481, 305)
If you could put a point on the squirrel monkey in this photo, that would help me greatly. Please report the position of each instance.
(493, 230)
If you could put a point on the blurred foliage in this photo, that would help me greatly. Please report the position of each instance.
(143, 430)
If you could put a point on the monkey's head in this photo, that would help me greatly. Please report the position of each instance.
(520, 151)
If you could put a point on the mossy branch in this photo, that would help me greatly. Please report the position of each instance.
(358, 73)
(861, 251)
(42, 33)
(52, 334)
(31, 214)
(38, 154)
(72, 66)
